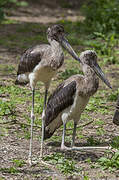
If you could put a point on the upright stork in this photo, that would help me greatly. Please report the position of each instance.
(40, 63)
(70, 98)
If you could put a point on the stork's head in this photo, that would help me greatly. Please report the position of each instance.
(57, 33)
(89, 58)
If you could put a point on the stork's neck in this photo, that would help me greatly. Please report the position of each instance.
(57, 55)
(91, 79)
(56, 47)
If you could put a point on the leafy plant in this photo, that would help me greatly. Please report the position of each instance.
(92, 142)
(18, 162)
(111, 163)
(101, 16)
(69, 72)
(86, 178)
(107, 47)
(115, 142)
(113, 96)
(11, 170)
(6, 108)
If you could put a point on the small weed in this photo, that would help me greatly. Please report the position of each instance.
(92, 142)
(1, 178)
(97, 104)
(7, 108)
(6, 69)
(3, 131)
(86, 178)
(99, 122)
(88, 160)
(9, 21)
(100, 131)
(69, 72)
(18, 162)
(26, 134)
(113, 96)
(11, 170)
(115, 142)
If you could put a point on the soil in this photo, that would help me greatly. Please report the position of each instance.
(13, 146)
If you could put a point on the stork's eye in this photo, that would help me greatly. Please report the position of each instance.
(59, 31)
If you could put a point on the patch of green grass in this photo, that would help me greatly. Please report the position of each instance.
(115, 142)
(111, 163)
(27, 134)
(3, 131)
(99, 122)
(100, 131)
(7, 108)
(11, 170)
(56, 138)
(9, 21)
(92, 142)
(18, 162)
(113, 96)
(36, 27)
(86, 178)
(16, 97)
(85, 115)
(66, 166)
(97, 104)
(1, 178)
(21, 37)
(6, 69)
(69, 72)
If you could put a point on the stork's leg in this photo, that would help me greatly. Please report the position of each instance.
(74, 134)
(63, 136)
(43, 122)
(32, 121)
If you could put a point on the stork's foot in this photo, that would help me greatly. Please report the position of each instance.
(90, 148)
(41, 155)
(32, 162)
(74, 148)
(63, 147)
(41, 151)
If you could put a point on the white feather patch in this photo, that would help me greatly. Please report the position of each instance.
(22, 78)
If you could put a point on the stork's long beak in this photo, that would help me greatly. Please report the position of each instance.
(68, 47)
(101, 75)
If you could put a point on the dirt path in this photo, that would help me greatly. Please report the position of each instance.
(42, 13)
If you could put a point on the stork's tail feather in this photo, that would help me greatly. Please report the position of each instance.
(116, 118)
(20, 83)
(116, 114)
(52, 127)
(48, 134)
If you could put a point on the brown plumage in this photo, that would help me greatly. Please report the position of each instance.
(72, 96)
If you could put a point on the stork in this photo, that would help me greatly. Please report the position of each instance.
(116, 114)
(40, 63)
(70, 98)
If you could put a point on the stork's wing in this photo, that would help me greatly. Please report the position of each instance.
(62, 98)
(31, 58)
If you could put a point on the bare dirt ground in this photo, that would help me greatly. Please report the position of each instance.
(13, 145)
